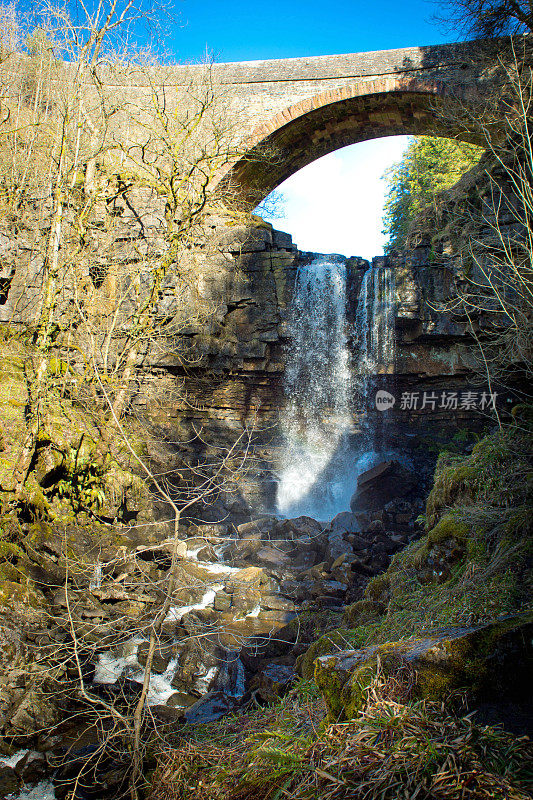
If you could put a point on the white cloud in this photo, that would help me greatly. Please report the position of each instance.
(335, 205)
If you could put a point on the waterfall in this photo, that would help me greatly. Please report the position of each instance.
(322, 457)
(316, 419)
(374, 325)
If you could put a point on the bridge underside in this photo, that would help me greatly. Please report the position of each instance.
(276, 155)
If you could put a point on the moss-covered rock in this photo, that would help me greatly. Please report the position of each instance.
(331, 642)
(474, 563)
(489, 661)
(362, 612)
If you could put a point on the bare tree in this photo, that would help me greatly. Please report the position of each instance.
(103, 166)
(490, 229)
(486, 18)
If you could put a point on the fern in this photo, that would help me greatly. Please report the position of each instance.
(9, 549)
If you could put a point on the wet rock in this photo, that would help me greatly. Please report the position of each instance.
(303, 560)
(363, 518)
(346, 522)
(9, 781)
(297, 591)
(209, 708)
(254, 576)
(222, 601)
(329, 588)
(181, 700)
(272, 557)
(244, 599)
(316, 573)
(337, 546)
(200, 549)
(298, 528)
(198, 662)
(275, 602)
(273, 682)
(256, 527)
(277, 616)
(358, 543)
(243, 549)
(489, 661)
(32, 768)
(378, 486)
(163, 653)
(343, 573)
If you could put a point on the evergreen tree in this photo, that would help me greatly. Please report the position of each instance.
(428, 166)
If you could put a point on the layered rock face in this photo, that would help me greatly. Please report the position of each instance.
(216, 383)
(234, 386)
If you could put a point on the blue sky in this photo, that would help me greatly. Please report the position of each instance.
(240, 30)
(335, 204)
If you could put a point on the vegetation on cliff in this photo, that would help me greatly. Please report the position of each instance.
(102, 194)
(429, 166)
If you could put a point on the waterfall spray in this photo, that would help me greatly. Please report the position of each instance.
(316, 418)
(321, 458)
(374, 325)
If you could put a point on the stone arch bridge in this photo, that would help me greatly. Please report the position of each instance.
(300, 109)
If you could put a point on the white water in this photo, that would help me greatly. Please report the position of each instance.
(320, 462)
(374, 325)
(40, 791)
(316, 418)
(175, 614)
(12, 761)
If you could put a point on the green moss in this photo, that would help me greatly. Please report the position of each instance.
(378, 589)
(362, 612)
(332, 642)
(331, 683)
(354, 691)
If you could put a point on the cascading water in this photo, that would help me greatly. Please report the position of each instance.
(374, 324)
(322, 457)
(317, 417)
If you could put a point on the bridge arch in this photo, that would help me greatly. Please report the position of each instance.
(356, 112)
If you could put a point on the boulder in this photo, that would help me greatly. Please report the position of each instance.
(222, 601)
(209, 708)
(163, 653)
(272, 557)
(275, 602)
(346, 522)
(329, 588)
(298, 528)
(9, 780)
(273, 682)
(256, 527)
(337, 546)
(488, 661)
(378, 486)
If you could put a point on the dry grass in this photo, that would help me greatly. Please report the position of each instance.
(394, 749)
